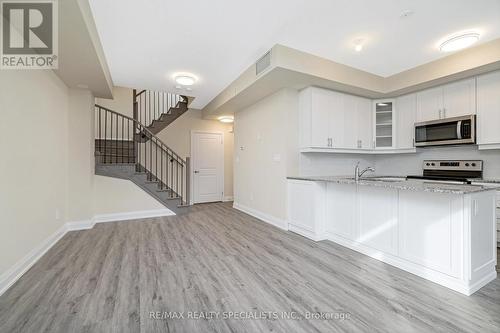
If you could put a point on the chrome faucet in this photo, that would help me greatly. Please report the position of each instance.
(358, 174)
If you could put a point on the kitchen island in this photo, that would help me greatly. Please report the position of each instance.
(442, 232)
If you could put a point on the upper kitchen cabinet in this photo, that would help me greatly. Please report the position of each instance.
(332, 121)
(406, 110)
(430, 104)
(384, 124)
(448, 101)
(459, 98)
(488, 111)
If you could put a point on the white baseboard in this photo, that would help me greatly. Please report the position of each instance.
(80, 225)
(279, 223)
(227, 198)
(8, 278)
(144, 214)
(429, 274)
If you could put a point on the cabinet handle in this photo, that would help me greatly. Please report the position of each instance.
(440, 117)
(444, 113)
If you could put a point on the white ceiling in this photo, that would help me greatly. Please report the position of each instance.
(147, 41)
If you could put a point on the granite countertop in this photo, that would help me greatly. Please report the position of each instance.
(400, 183)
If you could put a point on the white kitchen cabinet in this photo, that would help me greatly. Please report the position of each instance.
(431, 237)
(341, 210)
(322, 104)
(306, 208)
(350, 123)
(429, 104)
(459, 98)
(364, 123)
(451, 100)
(384, 124)
(331, 120)
(447, 238)
(377, 226)
(406, 107)
(488, 111)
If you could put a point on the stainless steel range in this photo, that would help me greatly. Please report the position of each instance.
(451, 171)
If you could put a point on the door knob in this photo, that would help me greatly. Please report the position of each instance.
(196, 171)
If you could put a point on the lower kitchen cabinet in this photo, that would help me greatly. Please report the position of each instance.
(340, 210)
(306, 208)
(447, 238)
(378, 218)
(431, 236)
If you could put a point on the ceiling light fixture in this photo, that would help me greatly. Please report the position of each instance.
(185, 80)
(382, 104)
(459, 42)
(226, 119)
(358, 45)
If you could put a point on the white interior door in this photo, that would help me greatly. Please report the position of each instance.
(207, 156)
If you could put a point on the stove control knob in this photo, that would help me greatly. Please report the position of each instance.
(433, 164)
(473, 164)
(467, 164)
(428, 164)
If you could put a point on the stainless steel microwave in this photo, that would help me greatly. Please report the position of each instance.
(450, 131)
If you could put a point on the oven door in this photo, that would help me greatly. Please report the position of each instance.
(451, 131)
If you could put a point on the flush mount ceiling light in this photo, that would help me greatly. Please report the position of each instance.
(358, 45)
(459, 42)
(226, 119)
(185, 79)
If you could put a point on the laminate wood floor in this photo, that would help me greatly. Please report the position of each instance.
(217, 259)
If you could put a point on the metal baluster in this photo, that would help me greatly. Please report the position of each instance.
(122, 154)
(116, 140)
(150, 156)
(182, 183)
(171, 176)
(161, 168)
(128, 141)
(100, 136)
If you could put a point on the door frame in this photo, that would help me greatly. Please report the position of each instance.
(222, 171)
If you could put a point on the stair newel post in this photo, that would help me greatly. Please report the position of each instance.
(188, 181)
(134, 115)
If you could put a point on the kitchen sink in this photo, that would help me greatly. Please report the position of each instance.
(383, 179)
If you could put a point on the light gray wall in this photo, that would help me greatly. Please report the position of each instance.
(266, 152)
(33, 167)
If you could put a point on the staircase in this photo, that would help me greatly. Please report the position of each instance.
(128, 148)
(156, 110)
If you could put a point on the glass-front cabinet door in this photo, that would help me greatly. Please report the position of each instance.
(384, 124)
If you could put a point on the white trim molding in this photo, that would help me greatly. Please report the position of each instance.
(143, 214)
(80, 225)
(277, 222)
(9, 277)
(228, 198)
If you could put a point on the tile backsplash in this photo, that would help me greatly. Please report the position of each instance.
(321, 164)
